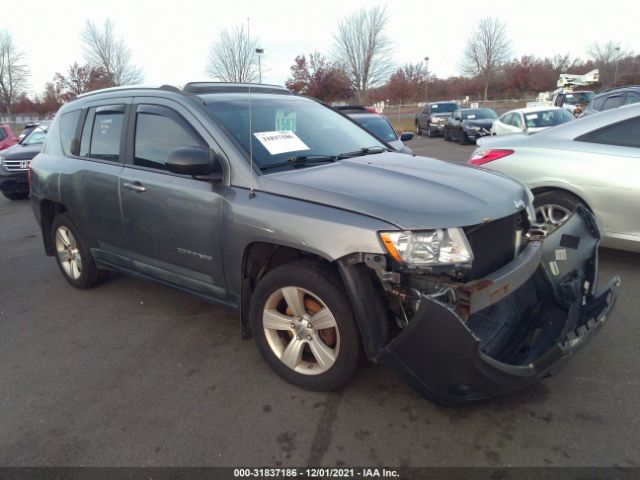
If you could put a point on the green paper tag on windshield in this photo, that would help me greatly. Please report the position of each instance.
(285, 120)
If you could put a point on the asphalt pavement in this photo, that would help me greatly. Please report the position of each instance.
(137, 374)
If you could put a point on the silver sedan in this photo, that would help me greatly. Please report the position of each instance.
(594, 161)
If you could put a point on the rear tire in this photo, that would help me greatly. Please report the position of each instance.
(418, 131)
(16, 195)
(287, 306)
(73, 256)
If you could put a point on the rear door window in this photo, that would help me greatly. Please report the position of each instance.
(598, 103)
(613, 102)
(102, 133)
(632, 98)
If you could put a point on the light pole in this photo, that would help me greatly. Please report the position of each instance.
(426, 81)
(259, 51)
(615, 74)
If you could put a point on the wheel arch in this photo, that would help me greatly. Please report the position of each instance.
(258, 259)
(570, 191)
(365, 295)
(48, 211)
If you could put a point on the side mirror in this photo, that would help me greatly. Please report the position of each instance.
(406, 136)
(194, 161)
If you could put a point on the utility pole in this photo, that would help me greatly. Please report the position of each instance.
(426, 81)
(615, 74)
(259, 51)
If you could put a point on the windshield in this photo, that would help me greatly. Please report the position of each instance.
(379, 126)
(35, 136)
(547, 118)
(479, 113)
(444, 107)
(578, 97)
(285, 126)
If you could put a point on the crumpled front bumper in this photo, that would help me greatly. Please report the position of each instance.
(545, 298)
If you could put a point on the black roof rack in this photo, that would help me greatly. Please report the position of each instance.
(226, 87)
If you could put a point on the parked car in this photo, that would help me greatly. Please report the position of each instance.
(467, 125)
(14, 163)
(432, 118)
(7, 138)
(573, 102)
(613, 98)
(26, 130)
(379, 126)
(323, 240)
(594, 162)
(530, 120)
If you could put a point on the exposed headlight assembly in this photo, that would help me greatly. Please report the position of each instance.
(475, 129)
(439, 247)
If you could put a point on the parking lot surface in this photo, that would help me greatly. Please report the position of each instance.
(137, 374)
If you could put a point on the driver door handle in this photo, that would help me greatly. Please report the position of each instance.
(135, 186)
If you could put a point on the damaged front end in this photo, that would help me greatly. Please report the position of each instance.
(461, 340)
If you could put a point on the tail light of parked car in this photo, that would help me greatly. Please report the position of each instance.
(486, 156)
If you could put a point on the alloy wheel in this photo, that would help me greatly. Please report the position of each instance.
(551, 216)
(301, 330)
(68, 252)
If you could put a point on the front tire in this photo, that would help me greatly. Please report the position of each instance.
(431, 133)
(462, 137)
(445, 135)
(73, 255)
(304, 328)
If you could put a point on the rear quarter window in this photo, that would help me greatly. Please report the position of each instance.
(623, 134)
(68, 125)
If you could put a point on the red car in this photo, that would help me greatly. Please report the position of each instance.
(7, 138)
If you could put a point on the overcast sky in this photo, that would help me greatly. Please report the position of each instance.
(171, 40)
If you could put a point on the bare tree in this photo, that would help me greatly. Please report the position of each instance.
(233, 57)
(606, 56)
(486, 51)
(103, 50)
(361, 45)
(13, 73)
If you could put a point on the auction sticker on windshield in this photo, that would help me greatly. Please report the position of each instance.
(280, 142)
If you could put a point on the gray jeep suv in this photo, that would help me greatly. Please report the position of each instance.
(327, 244)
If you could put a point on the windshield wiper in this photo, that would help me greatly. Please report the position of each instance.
(363, 151)
(301, 161)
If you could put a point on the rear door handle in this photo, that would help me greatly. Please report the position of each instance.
(135, 186)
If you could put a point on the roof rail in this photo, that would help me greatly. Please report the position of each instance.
(228, 87)
(621, 87)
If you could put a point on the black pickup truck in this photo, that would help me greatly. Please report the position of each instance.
(431, 120)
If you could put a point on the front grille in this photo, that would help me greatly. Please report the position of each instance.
(492, 244)
(16, 165)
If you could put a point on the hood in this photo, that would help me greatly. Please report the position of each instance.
(21, 152)
(406, 191)
(480, 122)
